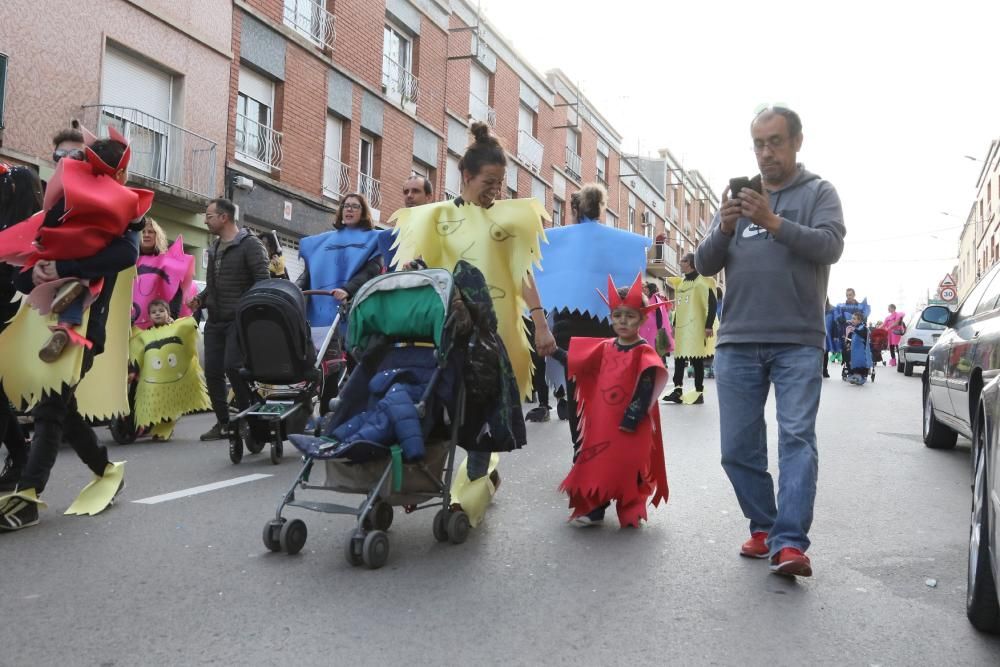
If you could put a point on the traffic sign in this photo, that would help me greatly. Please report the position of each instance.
(948, 281)
(948, 294)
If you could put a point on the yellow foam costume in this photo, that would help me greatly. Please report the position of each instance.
(103, 392)
(171, 382)
(690, 312)
(503, 241)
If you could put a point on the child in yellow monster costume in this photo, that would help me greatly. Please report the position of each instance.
(170, 379)
(503, 240)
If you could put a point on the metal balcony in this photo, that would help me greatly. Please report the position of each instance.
(311, 20)
(398, 82)
(530, 150)
(336, 178)
(257, 144)
(371, 189)
(161, 151)
(662, 259)
(574, 163)
(480, 110)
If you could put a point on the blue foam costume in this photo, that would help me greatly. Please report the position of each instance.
(332, 259)
(576, 264)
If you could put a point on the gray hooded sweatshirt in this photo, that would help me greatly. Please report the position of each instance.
(776, 285)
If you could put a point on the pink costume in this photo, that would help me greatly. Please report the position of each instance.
(162, 277)
(648, 329)
(893, 321)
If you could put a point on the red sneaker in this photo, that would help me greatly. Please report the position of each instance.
(756, 546)
(792, 563)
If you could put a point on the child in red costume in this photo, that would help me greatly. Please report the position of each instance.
(86, 207)
(617, 382)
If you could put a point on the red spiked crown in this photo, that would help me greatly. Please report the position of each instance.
(97, 164)
(632, 300)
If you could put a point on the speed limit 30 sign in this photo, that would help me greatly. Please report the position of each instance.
(948, 294)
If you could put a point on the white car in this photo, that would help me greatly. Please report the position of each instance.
(920, 336)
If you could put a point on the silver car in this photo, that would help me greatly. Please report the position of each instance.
(920, 336)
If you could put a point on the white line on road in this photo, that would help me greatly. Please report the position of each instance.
(195, 490)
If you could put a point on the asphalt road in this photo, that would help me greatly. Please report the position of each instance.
(189, 582)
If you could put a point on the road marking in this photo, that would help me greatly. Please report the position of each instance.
(195, 490)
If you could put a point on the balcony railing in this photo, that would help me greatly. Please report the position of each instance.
(161, 151)
(257, 144)
(574, 163)
(602, 179)
(529, 150)
(449, 195)
(311, 20)
(398, 82)
(371, 189)
(661, 254)
(479, 109)
(336, 178)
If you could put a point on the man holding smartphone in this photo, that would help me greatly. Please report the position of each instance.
(776, 247)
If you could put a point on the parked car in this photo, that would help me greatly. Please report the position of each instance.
(964, 358)
(916, 343)
(981, 602)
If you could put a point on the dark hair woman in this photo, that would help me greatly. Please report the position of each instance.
(20, 198)
(491, 246)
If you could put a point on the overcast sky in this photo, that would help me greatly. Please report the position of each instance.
(892, 96)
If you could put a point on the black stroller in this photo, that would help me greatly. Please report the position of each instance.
(284, 369)
(401, 326)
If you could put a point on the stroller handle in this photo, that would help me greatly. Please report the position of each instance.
(317, 292)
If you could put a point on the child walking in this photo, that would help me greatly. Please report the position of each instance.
(617, 382)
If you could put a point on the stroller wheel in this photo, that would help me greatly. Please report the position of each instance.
(375, 551)
(379, 518)
(253, 444)
(277, 450)
(458, 527)
(355, 544)
(272, 530)
(293, 536)
(235, 446)
(440, 525)
(122, 430)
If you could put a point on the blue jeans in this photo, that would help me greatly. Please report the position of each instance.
(744, 375)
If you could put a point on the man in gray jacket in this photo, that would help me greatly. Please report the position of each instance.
(236, 260)
(776, 249)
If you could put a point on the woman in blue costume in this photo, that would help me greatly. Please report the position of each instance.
(341, 260)
(575, 268)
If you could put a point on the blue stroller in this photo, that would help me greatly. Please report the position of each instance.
(401, 330)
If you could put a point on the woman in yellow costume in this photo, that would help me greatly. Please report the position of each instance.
(694, 313)
(502, 240)
(170, 382)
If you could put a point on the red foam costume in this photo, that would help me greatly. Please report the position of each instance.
(627, 467)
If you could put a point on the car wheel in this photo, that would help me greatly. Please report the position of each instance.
(981, 604)
(936, 434)
(900, 363)
(907, 369)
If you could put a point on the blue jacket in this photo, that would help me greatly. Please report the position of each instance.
(391, 416)
(861, 354)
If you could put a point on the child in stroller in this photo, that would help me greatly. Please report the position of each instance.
(392, 432)
(857, 352)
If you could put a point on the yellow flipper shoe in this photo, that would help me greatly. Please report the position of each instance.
(475, 496)
(693, 397)
(101, 492)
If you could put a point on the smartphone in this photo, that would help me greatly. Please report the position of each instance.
(737, 184)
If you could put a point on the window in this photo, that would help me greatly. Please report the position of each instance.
(971, 302)
(512, 181)
(602, 169)
(137, 98)
(526, 120)
(309, 19)
(989, 300)
(557, 212)
(452, 178)
(631, 219)
(479, 96)
(3, 84)
(256, 141)
(335, 177)
(538, 190)
(398, 81)
(610, 219)
(367, 184)
(573, 161)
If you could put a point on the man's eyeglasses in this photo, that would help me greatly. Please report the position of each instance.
(774, 143)
(72, 154)
(351, 205)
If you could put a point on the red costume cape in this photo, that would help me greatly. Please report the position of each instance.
(612, 462)
(98, 210)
